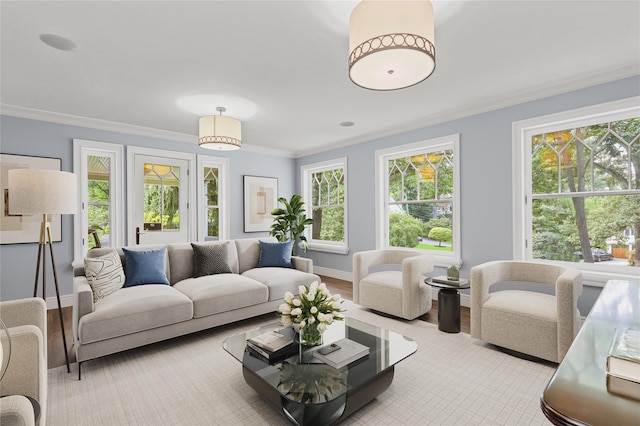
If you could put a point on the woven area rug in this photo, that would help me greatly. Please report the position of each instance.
(451, 380)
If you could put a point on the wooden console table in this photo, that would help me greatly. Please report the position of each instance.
(580, 392)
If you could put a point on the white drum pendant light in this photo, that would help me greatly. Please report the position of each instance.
(220, 132)
(391, 43)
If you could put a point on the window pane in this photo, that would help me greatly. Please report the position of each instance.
(161, 197)
(98, 201)
(211, 185)
(416, 218)
(327, 205)
(213, 223)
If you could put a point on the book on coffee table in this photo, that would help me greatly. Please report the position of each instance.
(271, 357)
(349, 351)
(271, 341)
(623, 360)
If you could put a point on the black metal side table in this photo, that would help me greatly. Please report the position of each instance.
(448, 302)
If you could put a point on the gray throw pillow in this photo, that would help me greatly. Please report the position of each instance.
(210, 259)
(104, 274)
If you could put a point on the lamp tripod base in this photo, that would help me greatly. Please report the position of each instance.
(45, 239)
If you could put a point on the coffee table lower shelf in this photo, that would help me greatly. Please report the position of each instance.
(327, 413)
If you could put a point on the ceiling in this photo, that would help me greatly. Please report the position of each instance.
(288, 59)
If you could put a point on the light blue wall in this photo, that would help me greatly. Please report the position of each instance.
(486, 176)
(43, 139)
(485, 159)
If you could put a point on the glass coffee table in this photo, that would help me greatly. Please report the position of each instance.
(307, 391)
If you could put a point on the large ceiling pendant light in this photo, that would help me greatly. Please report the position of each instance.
(391, 43)
(220, 132)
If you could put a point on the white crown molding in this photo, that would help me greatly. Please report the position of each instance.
(112, 126)
(561, 86)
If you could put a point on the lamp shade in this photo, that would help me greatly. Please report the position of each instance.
(34, 191)
(391, 43)
(220, 132)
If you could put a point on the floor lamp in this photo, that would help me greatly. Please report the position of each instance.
(44, 192)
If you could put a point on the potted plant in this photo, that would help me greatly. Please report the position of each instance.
(290, 222)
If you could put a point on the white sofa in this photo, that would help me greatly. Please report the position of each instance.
(143, 314)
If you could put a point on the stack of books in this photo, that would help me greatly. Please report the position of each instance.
(623, 360)
(348, 352)
(272, 345)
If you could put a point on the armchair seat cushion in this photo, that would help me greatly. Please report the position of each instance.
(134, 309)
(16, 410)
(506, 314)
(382, 291)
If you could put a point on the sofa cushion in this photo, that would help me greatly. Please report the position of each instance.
(97, 252)
(145, 267)
(213, 294)
(134, 309)
(275, 254)
(181, 259)
(210, 259)
(104, 274)
(281, 280)
(248, 252)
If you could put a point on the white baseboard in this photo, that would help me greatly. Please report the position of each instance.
(465, 299)
(65, 300)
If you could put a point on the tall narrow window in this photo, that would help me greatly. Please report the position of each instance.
(418, 198)
(324, 191)
(213, 198)
(99, 200)
(212, 206)
(581, 185)
(100, 188)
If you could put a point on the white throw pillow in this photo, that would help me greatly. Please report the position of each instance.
(104, 274)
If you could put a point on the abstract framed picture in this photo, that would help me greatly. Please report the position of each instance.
(15, 229)
(260, 198)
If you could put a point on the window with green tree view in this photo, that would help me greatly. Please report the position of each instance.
(418, 197)
(581, 188)
(324, 193)
(161, 197)
(212, 207)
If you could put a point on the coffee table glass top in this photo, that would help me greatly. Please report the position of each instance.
(307, 380)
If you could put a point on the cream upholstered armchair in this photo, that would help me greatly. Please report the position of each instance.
(534, 323)
(26, 373)
(401, 293)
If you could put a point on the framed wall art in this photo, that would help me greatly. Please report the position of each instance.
(16, 229)
(260, 198)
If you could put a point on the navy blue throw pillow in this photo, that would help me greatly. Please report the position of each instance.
(145, 267)
(275, 254)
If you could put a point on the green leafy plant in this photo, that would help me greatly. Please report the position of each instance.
(290, 222)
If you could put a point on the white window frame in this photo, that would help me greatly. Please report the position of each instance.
(190, 158)
(383, 156)
(82, 149)
(222, 164)
(522, 183)
(307, 171)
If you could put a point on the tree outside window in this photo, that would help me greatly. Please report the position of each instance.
(324, 192)
(585, 195)
(418, 198)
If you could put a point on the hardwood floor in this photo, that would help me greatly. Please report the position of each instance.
(55, 349)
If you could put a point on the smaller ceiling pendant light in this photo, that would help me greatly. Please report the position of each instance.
(391, 43)
(220, 132)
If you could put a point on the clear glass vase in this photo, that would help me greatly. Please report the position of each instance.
(310, 335)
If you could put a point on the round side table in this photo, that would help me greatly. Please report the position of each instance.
(448, 303)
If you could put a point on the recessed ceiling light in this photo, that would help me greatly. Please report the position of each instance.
(59, 42)
(347, 123)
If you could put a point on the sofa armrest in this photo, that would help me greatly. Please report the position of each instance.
(302, 264)
(16, 410)
(27, 370)
(82, 301)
